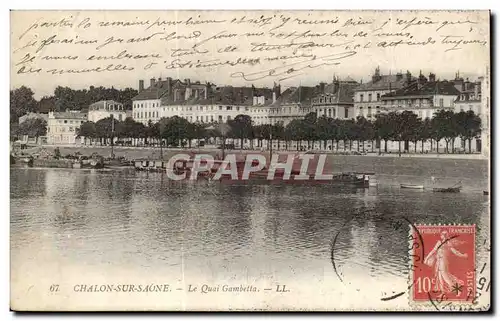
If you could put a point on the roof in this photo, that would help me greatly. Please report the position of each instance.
(385, 82)
(342, 92)
(161, 88)
(298, 95)
(428, 88)
(68, 115)
(102, 104)
(227, 95)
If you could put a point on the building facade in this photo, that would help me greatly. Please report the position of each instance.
(367, 96)
(104, 109)
(336, 100)
(149, 104)
(62, 126)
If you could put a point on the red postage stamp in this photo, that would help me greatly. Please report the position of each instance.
(443, 258)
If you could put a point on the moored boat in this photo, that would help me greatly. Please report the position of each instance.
(447, 189)
(410, 186)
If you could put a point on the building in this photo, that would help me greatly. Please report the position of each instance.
(367, 97)
(62, 126)
(293, 103)
(423, 96)
(469, 97)
(104, 109)
(147, 105)
(222, 104)
(336, 100)
(41, 116)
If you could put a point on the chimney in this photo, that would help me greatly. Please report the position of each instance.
(322, 87)
(376, 76)
(141, 85)
(169, 83)
(336, 86)
(408, 77)
(188, 81)
(152, 82)
(432, 77)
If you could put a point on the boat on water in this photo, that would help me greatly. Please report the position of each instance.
(447, 189)
(410, 186)
(278, 175)
(486, 193)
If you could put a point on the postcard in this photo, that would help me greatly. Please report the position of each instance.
(250, 161)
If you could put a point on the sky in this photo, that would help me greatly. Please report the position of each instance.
(48, 47)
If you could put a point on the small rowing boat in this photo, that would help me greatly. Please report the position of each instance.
(409, 186)
(448, 189)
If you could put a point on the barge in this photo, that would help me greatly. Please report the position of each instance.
(185, 168)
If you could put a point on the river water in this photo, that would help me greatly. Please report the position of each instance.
(84, 227)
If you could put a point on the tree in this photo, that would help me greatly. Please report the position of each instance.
(21, 102)
(364, 130)
(87, 130)
(384, 129)
(33, 127)
(278, 131)
(408, 127)
(323, 127)
(469, 126)
(105, 129)
(425, 132)
(443, 126)
(241, 127)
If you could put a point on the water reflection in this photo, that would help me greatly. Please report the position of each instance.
(119, 220)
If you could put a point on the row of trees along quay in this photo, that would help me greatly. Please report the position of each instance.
(401, 127)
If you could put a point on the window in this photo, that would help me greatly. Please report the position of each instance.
(346, 112)
(229, 108)
(441, 102)
(369, 97)
(70, 128)
(369, 111)
(197, 118)
(237, 108)
(361, 97)
(65, 121)
(329, 113)
(211, 117)
(378, 96)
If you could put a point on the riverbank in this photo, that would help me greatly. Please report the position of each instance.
(389, 168)
(154, 152)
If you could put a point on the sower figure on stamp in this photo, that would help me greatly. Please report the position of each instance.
(439, 258)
